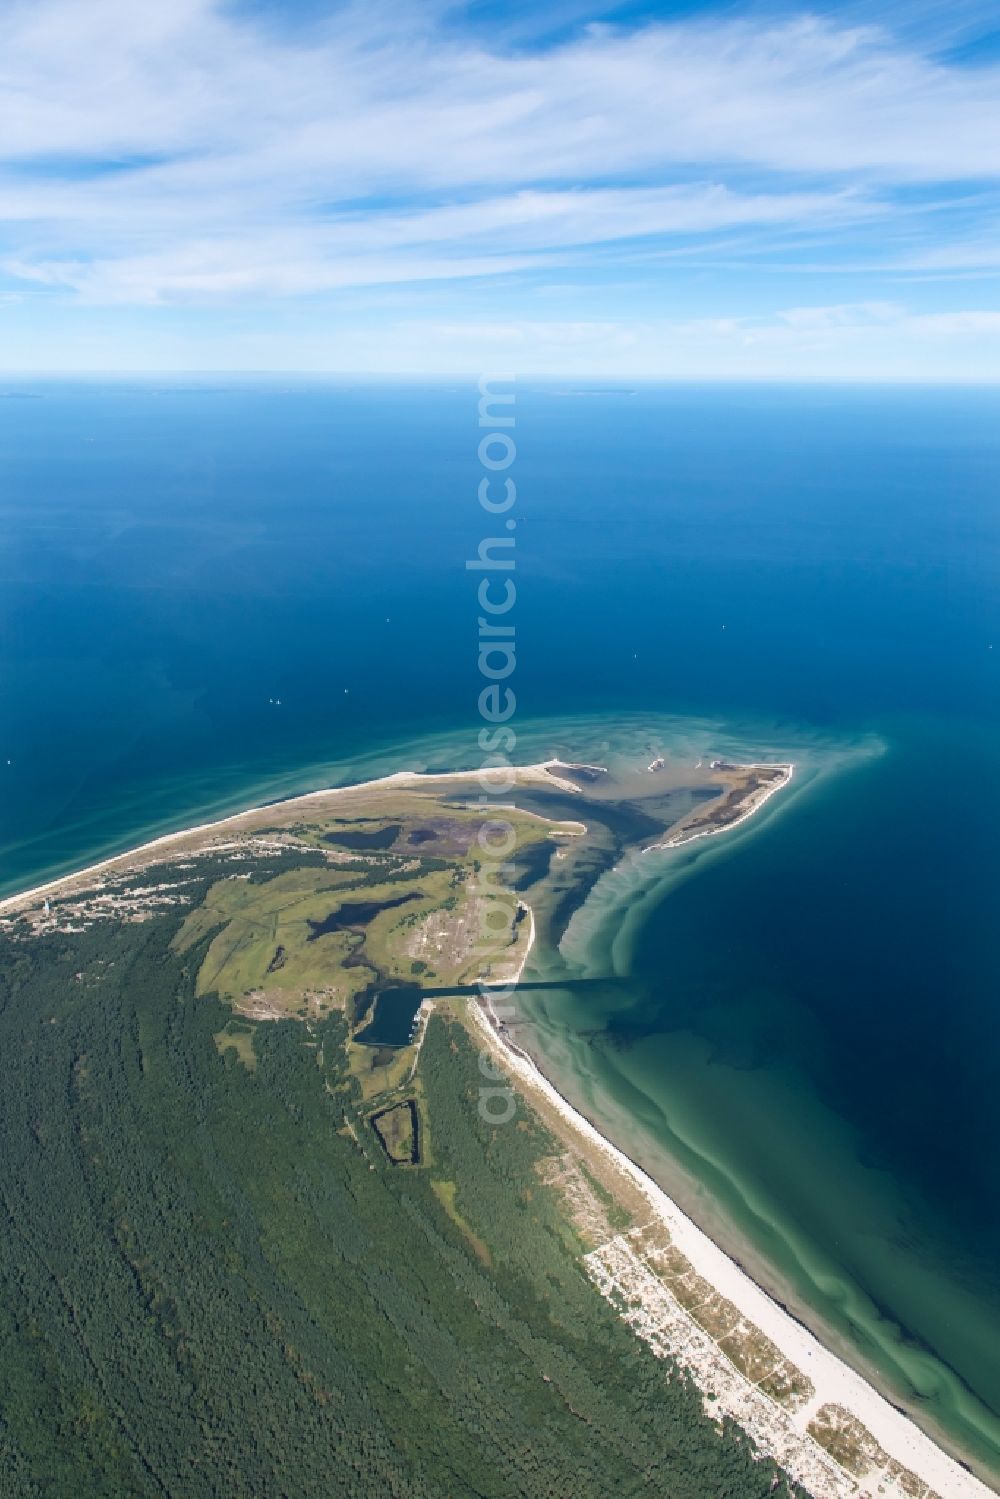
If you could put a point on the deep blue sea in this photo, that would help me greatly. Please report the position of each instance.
(814, 1033)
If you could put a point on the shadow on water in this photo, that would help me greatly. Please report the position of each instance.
(395, 1009)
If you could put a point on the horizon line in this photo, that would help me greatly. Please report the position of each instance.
(615, 381)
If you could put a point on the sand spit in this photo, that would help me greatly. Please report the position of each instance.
(197, 839)
(749, 805)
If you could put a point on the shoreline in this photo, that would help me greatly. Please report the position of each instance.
(834, 1381)
(543, 773)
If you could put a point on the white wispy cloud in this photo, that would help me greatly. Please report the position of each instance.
(371, 97)
(157, 259)
(840, 315)
(185, 148)
(864, 341)
(194, 154)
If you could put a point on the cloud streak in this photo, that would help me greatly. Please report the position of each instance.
(224, 251)
(193, 153)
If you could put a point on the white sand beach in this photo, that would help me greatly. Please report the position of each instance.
(776, 1429)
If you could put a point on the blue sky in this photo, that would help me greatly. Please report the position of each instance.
(688, 190)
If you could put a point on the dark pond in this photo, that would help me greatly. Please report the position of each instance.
(357, 838)
(355, 913)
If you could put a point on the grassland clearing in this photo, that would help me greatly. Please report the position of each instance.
(239, 1040)
(407, 896)
(445, 1192)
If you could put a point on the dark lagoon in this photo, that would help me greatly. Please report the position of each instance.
(392, 1019)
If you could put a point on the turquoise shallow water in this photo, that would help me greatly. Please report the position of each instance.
(807, 1026)
(753, 1052)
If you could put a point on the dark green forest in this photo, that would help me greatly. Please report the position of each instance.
(214, 1281)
